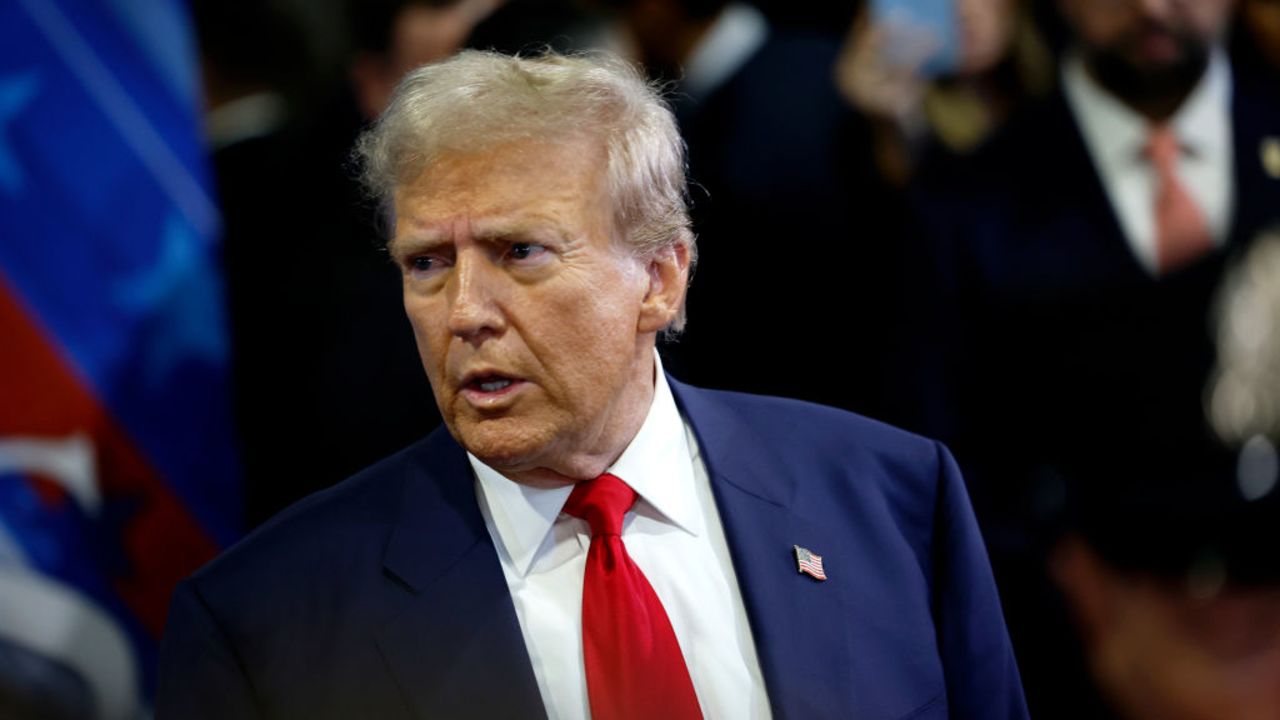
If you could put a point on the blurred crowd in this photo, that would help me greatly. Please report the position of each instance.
(1045, 232)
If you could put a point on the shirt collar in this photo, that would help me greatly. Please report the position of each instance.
(1117, 134)
(522, 515)
(1203, 122)
(656, 464)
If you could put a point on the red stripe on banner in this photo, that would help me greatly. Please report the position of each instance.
(46, 490)
(42, 396)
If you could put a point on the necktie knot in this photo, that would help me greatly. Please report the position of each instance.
(1163, 147)
(601, 502)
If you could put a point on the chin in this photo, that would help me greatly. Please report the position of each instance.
(505, 444)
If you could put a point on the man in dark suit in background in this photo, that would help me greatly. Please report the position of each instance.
(775, 157)
(588, 536)
(1074, 261)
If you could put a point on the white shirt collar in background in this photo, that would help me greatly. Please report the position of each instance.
(733, 38)
(244, 118)
(1115, 136)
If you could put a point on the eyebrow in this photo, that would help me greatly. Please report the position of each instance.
(425, 237)
(416, 242)
(536, 226)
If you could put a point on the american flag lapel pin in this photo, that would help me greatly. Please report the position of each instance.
(809, 563)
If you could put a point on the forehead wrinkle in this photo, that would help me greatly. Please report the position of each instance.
(531, 223)
(419, 233)
(491, 189)
(428, 234)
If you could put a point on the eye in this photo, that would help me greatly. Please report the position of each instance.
(520, 251)
(425, 265)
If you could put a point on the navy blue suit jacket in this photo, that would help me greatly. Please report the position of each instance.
(383, 597)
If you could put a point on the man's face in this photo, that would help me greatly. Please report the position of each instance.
(535, 328)
(1148, 40)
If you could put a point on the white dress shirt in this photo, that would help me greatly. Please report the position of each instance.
(1116, 137)
(673, 534)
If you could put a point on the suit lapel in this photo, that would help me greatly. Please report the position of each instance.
(455, 647)
(801, 627)
(1027, 237)
(1090, 234)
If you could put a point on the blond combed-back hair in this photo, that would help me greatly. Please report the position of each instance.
(477, 100)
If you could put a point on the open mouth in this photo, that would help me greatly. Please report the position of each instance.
(489, 385)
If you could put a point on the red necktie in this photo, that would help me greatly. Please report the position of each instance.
(1182, 235)
(633, 662)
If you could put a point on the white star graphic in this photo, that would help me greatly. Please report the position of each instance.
(182, 302)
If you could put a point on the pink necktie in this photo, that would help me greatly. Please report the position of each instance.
(634, 666)
(1182, 235)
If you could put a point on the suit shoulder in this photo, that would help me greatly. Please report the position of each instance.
(348, 520)
(872, 480)
(825, 430)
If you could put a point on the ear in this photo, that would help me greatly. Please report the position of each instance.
(668, 272)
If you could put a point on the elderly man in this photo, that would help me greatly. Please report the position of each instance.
(590, 537)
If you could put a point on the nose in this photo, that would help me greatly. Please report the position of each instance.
(475, 314)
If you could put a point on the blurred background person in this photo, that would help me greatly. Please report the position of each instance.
(393, 38)
(326, 375)
(251, 60)
(930, 83)
(778, 154)
(1168, 562)
(776, 161)
(1074, 258)
(893, 69)
(1168, 570)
